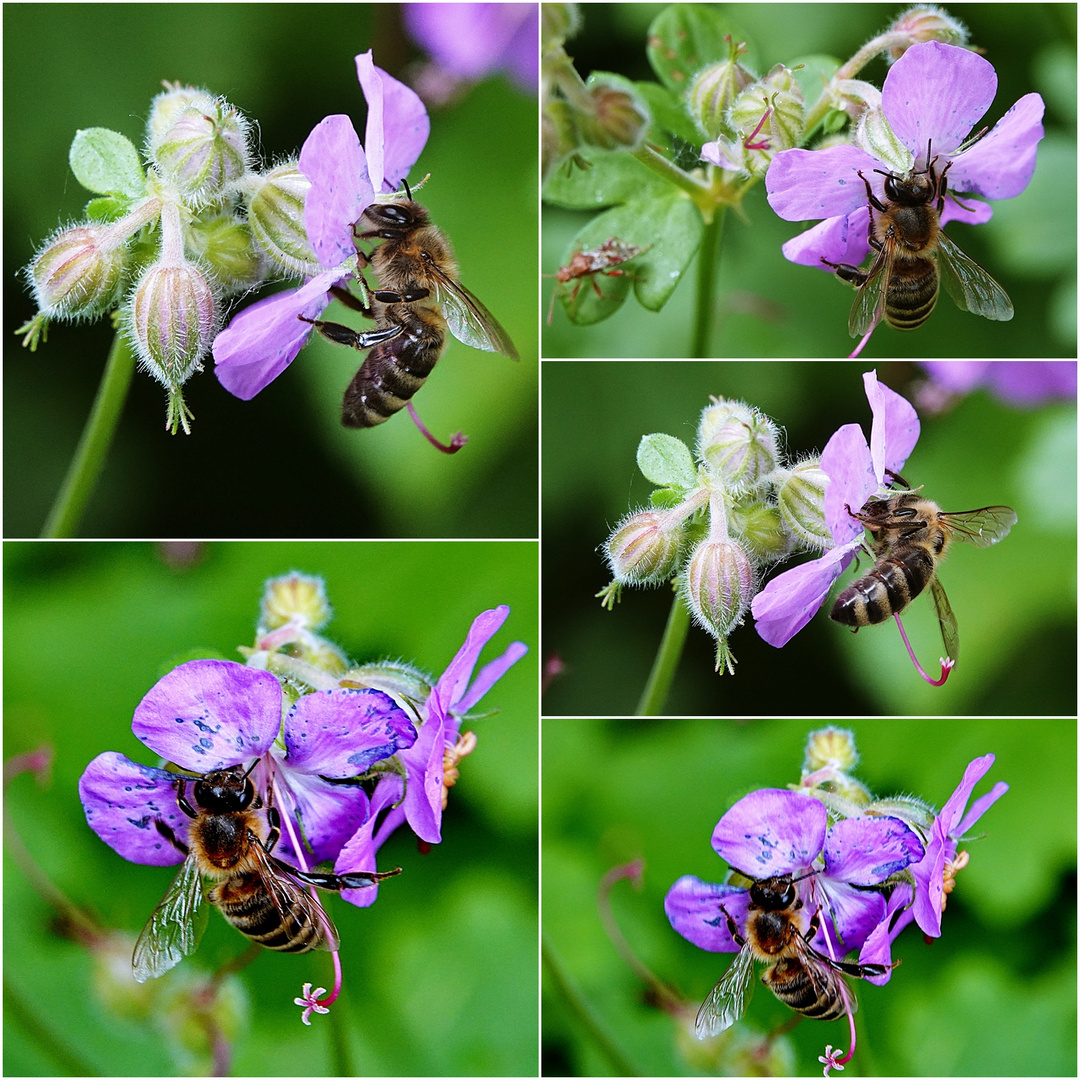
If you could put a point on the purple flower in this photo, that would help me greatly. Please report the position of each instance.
(934, 94)
(774, 832)
(855, 471)
(935, 873)
(213, 714)
(1021, 383)
(425, 763)
(264, 338)
(469, 41)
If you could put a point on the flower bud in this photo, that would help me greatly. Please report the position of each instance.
(294, 597)
(759, 529)
(202, 150)
(225, 247)
(855, 97)
(644, 547)
(79, 272)
(830, 747)
(926, 22)
(408, 686)
(168, 106)
(558, 21)
(172, 321)
(714, 89)
(742, 450)
(276, 217)
(616, 117)
(801, 501)
(907, 808)
(719, 587)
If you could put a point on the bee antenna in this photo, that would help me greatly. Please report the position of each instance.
(252, 769)
(408, 190)
(810, 873)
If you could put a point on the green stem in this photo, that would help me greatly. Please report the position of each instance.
(667, 660)
(701, 193)
(705, 303)
(94, 445)
(585, 1013)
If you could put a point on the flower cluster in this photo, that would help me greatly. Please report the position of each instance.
(714, 521)
(344, 754)
(197, 221)
(853, 870)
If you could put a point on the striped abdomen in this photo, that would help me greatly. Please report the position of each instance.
(270, 919)
(886, 589)
(824, 997)
(912, 293)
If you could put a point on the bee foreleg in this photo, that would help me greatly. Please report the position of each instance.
(733, 928)
(847, 272)
(346, 335)
(166, 831)
(353, 302)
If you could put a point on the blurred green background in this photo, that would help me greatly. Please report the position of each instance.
(286, 66)
(440, 974)
(1015, 603)
(766, 306)
(995, 995)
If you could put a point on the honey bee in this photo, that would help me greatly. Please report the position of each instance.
(802, 978)
(606, 259)
(230, 842)
(419, 298)
(911, 535)
(913, 256)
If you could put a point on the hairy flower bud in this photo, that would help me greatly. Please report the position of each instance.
(719, 586)
(927, 22)
(770, 117)
(644, 547)
(202, 150)
(616, 117)
(224, 246)
(742, 450)
(759, 529)
(800, 498)
(276, 217)
(294, 597)
(79, 272)
(558, 21)
(714, 89)
(830, 747)
(173, 318)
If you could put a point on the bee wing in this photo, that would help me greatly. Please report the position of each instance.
(984, 527)
(469, 320)
(824, 974)
(293, 901)
(970, 286)
(950, 632)
(727, 1000)
(175, 928)
(870, 299)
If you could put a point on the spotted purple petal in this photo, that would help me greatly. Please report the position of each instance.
(868, 850)
(210, 714)
(693, 909)
(771, 832)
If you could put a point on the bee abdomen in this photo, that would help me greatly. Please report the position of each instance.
(246, 903)
(886, 590)
(390, 375)
(789, 981)
(912, 294)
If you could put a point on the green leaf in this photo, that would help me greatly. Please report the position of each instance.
(666, 461)
(107, 208)
(684, 38)
(107, 163)
(669, 115)
(608, 178)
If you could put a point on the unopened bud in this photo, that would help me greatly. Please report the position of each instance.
(558, 21)
(225, 247)
(801, 501)
(875, 135)
(719, 588)
(616, 117)
(294, 597)
(715, 88)
(79, 272)
(770, 117)
(926, 22)
(830, 747)
(644, 547)
(171, 103)
(276, 217)
(742, 450)
(758, 527)
(203, 150)
(173, 318)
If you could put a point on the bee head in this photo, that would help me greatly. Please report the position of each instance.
(225, 790)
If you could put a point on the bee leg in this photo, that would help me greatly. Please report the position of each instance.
(337, 882)
(345, 335)
(871, 198)
(409, 296)
(733, 928)
(847, 272)
(169, 835)
(182, 802)
(815, 923)
(353, 302)
(274, 835)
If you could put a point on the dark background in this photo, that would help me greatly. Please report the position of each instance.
(280, 465)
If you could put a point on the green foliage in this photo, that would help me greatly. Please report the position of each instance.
(440, 973)
(994, 996)
(107, 163)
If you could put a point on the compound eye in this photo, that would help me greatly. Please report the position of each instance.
(788, 896)
(892, 192)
